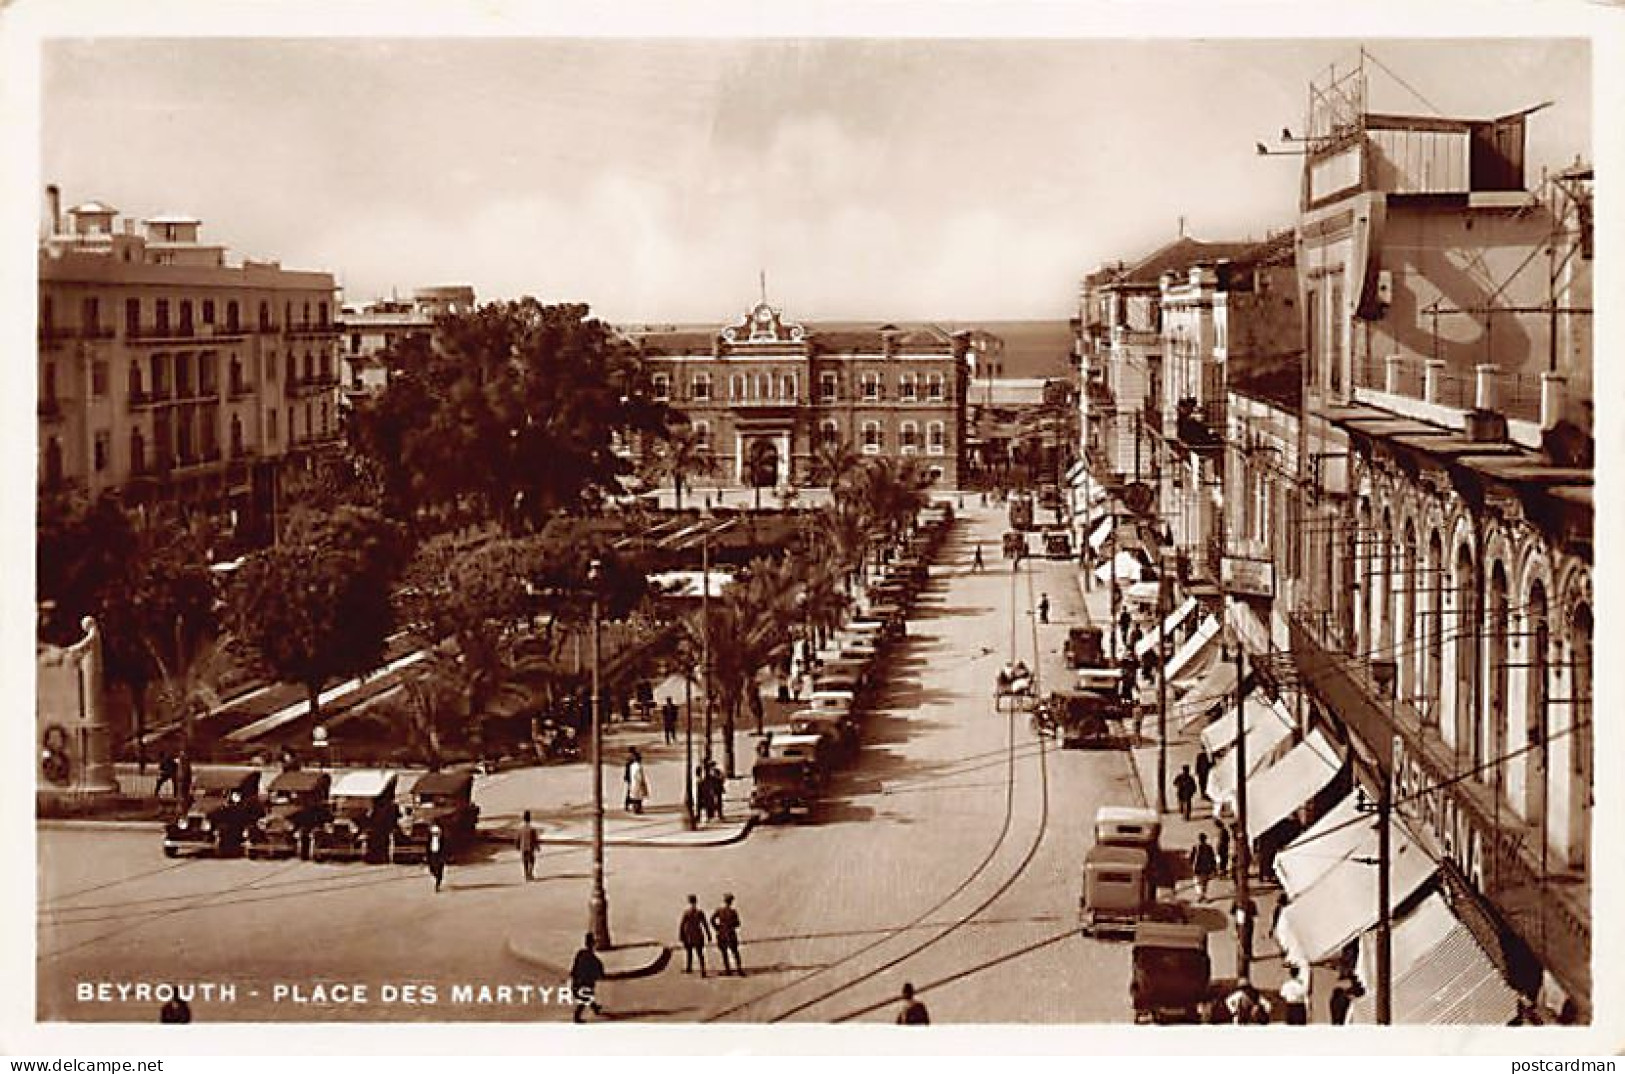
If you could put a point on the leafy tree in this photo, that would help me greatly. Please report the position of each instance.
(678, 457)
(516, 412)
(317, 606)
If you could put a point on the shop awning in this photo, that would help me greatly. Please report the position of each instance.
(1283, 787)
(1175, 620)
(1184, 660)
(1439, 973)
(1126, 565)
(1342, 904)
(1216, 686)
(1327, 841)
(1143, 593)
(1098, 536)
(1266, 730)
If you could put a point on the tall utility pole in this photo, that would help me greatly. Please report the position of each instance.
(1244, 942)
(705, 627)
(598, 903)
(1385, 1014)
(1162, 689)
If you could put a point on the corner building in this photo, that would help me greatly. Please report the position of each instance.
(767, 394)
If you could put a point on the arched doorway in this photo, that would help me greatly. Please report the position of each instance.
(762, 465)
(1468, 743)
(1538, 637)
(1495, 655)
(1580, 760)
(1433, 583)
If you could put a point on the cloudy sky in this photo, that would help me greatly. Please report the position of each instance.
(653, 179)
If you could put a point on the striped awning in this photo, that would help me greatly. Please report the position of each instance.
(1217, 686)
(1266, 730)
(1328, 841)
(1175, 620)
(1199, 643)
(1440, 975)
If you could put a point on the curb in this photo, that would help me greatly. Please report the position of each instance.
(674, 841)
(652, 957)
(91, 824)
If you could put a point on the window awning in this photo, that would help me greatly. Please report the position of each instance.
(1287, 784)
(1266, 730)
(1439, 974)
(1175, 620)
(1199, 643)
(1217, 685)
(1342, 904)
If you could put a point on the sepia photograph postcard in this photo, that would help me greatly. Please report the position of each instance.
(917, 528)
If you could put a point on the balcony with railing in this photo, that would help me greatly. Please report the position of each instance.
(1434, 382)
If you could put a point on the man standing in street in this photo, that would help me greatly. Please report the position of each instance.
(668, 720)
(1204, 768)
(527, 847)
(637, 783)
(166, 774)
(1185, 790)
(725, 920)
(436, 856)
(585, 973)
(976, 563)
(1203, 864)
(1243, 912)
(1224, 847)
(913, 1012)
(1043, 607)
(694, 932)
(1295, 998)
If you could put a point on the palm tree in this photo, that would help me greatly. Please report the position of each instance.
(749, 629)
(836, 465)
(189, 682)
(682, 456)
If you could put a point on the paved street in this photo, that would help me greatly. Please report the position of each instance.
(947, 855)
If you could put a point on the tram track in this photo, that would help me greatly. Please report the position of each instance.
(1013, 753)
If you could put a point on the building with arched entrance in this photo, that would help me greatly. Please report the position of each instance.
(767, 395)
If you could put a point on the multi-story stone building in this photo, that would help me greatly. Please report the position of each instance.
(766, 394)
(167, 374)
(369, 329)
(1442, 615)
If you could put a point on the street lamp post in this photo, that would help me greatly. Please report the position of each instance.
(1162, 689)
(689, 822)
(1244, 942)
(705, 626)
(598, 903)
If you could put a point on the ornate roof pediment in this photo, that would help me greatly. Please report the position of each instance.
(763, 325)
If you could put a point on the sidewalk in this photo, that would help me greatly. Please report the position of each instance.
(1267, 970)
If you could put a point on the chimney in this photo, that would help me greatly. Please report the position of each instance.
(53, 200)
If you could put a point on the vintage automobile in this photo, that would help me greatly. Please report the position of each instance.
(443, 799)
(845, 673)
(1021, 512)
(783, 787)
(837, 701)
(893, 615)
(295, 806)
(1079, 719)
(815, 751)
(1084, 647)
(860, 647)
(363, 821)
(1117, 890)
(840, 733)
(1015, 545)
(225, 803)
(1128, 826)
(1171, 977)
(1057, 544)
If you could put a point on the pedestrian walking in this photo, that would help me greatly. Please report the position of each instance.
(725, 920)
(1203, 865)
(694, 931)
(637, 783)
(1204, 768)
(1295, 998)
(976, 564)
(585, 973)
(166, 774)
(1223, 848)
(1185, 791)
(1281, 904)
(436, 856)
(913, 1012)
(1246, 1006)
(668, 720)
(1124, 621)
(526, 842)
(1341, 999)
(1244, 912)
(718, 788)
(1135, 636)
(175, 1011)
(1043, 607)
(626, 778)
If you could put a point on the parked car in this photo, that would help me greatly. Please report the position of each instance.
(1171, 976)
(443, 799)
(1085, 647)
(296, 805)
(363, 820)
(783, 787)
(840, 733)
(225, 801)
(1057, 544)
